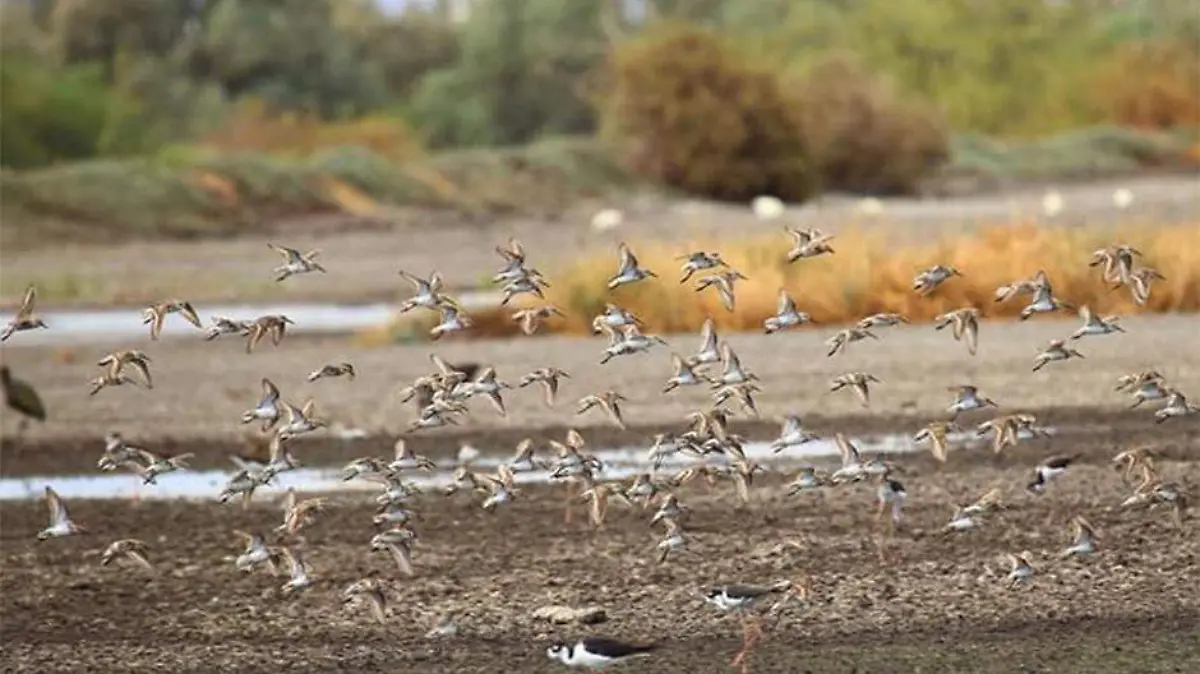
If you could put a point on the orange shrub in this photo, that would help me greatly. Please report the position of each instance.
(1152, 84)
(684, 109)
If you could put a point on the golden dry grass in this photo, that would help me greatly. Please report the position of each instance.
(870, 273)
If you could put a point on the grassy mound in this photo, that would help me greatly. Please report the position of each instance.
(187, 194)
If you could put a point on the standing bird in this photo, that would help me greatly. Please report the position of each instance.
(26, 318)
(596, 653)
(21, 397)
(295, 262)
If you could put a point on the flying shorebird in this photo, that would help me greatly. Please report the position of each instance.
(858, 382)
(113, 376)
(256, 552)
(295, 262)
(628, 271)
(548, 377)
(453, 319)
(327, 371)
(709, 352)
(533, 318)
(1139, 283)
(786, 315)
(156, 465)
(300, 420)
(1177, 406)
(808, 243)
(965, 324)
(672, 541)
(966, 399)
(226, 326)
(156, 313)
(397, 542)
(840, 341)
(1021, 569)
(273, 324)
(127, 549)
(117, 360)
(60, 522)
(26, 317)
(882, 320)
(936, 433)
(268, 410)
(684, 375)
(698, 261)
(609, 401)
(1083, 538)
(1044, 301)
(300, 575)
(428, 293)
(929, 280)
(1117, 262)
(1049, 470)
(372, 591)
(723, 282)
(1094, 324)
(1056, 350)
(791, 434)
(1024, 287)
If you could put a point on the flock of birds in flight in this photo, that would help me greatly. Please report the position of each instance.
(712, 452)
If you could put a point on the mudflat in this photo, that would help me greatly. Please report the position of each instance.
(918, 600)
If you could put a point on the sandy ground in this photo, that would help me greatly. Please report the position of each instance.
(363, 255)
(935, 603)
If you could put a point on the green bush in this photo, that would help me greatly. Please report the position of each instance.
(686, 110)
(862, 137)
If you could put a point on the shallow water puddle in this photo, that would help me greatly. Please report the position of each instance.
(619, 463)
(88, 325)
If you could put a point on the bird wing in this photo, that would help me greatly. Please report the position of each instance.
(27, 304)
(401, 555)
(58, 511)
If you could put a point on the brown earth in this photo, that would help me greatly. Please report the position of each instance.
(201, 388)
(363, 254)
(938, 604)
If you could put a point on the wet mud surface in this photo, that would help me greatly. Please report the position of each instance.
(934, 602)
